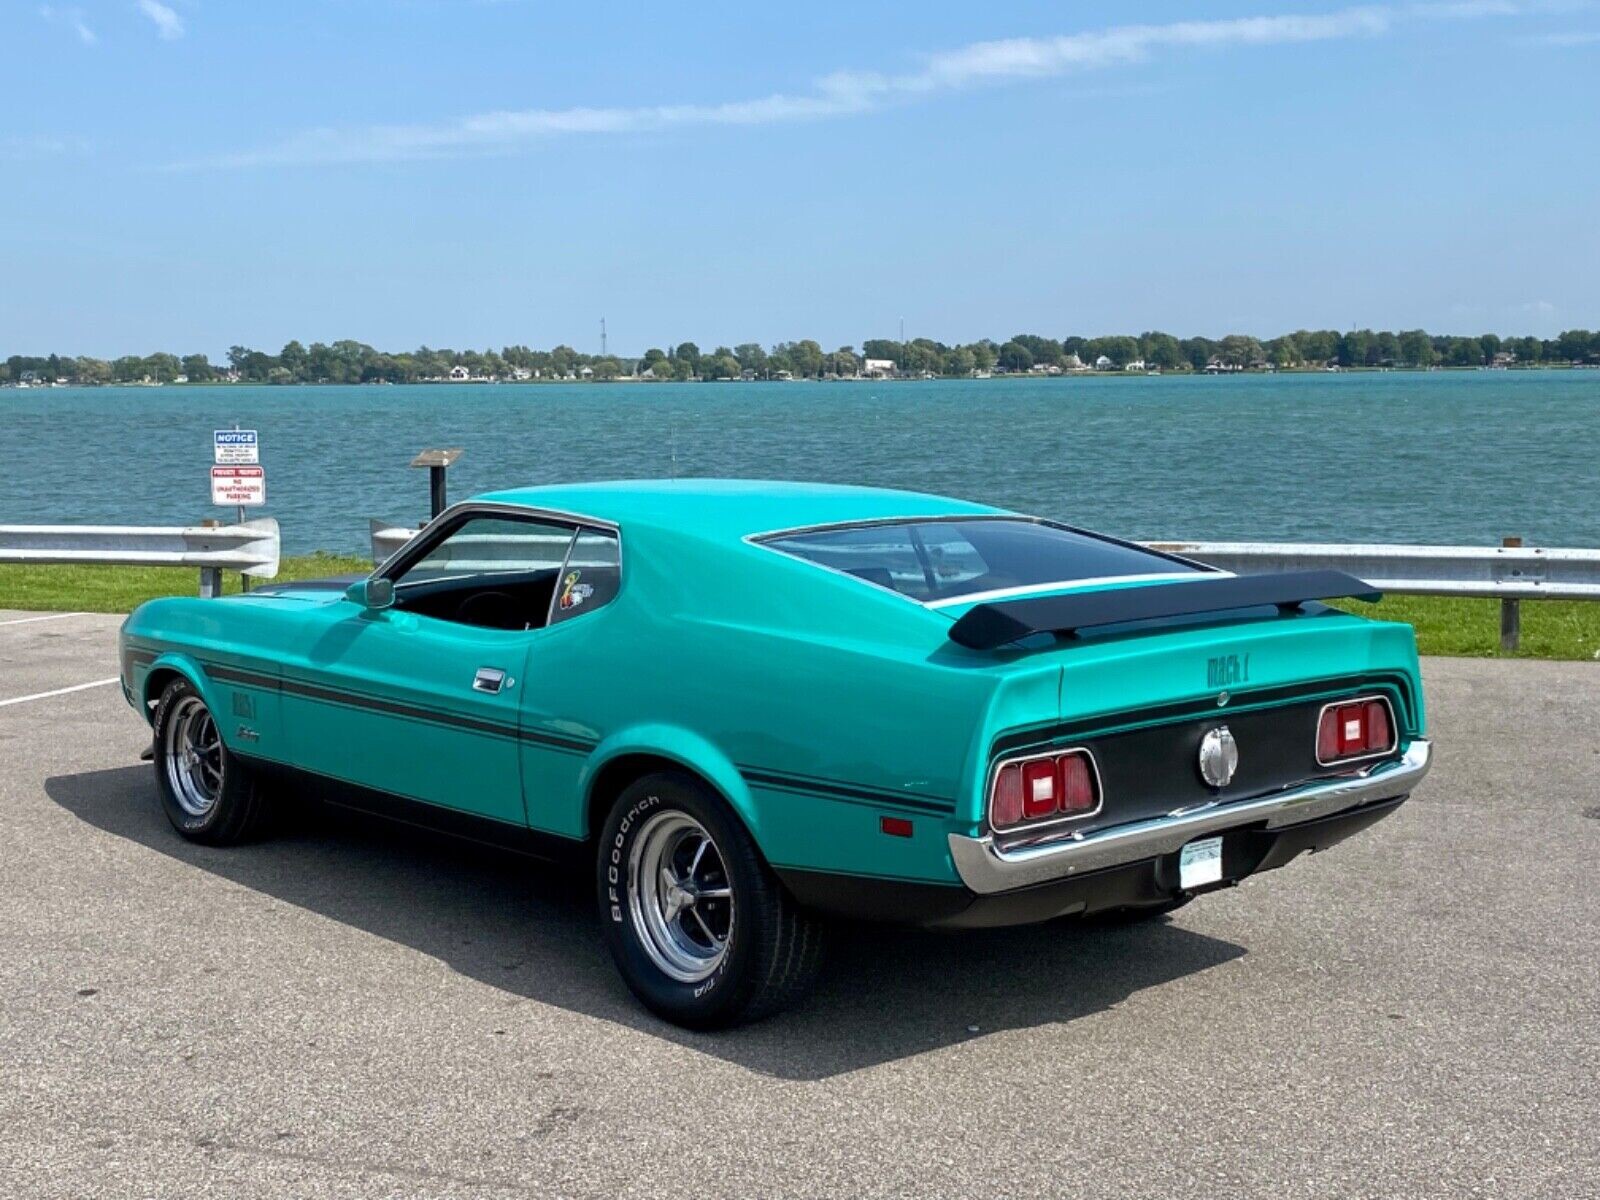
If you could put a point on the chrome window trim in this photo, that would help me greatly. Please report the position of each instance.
(1027, 589)
(762, 540)
(1026, 827)
(1394, 733)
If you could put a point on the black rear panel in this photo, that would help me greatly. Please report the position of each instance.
(1149, 772)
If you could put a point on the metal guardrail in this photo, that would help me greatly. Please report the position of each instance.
(251, 548)
(1510, 573)
(387, 537)
(1487, 572)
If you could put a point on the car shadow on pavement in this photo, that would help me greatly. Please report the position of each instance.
(530, 929)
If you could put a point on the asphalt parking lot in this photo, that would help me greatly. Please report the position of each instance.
(351, 1010)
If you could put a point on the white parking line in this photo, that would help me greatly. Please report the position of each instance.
(46, 617)
(77, 687)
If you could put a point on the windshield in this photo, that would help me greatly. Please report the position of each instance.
(949, 561)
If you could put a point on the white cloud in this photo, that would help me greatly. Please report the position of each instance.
(845, 93)
(73, 19)
(167, 22)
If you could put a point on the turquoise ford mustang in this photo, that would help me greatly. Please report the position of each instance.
(753, 705)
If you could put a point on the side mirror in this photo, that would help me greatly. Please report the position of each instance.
(372, 593)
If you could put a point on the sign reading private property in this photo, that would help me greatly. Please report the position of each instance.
(243, 487)
(237, 447)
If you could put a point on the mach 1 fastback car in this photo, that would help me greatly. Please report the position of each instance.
(754, 705)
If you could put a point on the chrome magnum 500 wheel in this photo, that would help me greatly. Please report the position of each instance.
(701, 930)
(679, 898)
(209, 795)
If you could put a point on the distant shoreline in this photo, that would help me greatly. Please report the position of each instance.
(998, 376)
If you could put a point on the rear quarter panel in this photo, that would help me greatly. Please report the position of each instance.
(816, 708)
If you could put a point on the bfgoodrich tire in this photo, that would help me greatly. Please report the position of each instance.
(702, 932)
(209, 795)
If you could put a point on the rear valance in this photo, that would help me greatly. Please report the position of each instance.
(986, 626)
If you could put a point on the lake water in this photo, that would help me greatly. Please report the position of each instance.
(1442, 457)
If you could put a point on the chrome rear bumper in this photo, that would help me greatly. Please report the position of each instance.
(986, 868)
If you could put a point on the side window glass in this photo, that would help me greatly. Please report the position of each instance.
(591, 578)
(493, 572)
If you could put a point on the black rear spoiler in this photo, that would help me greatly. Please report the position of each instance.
(987, 626)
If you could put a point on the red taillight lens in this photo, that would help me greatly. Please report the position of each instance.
(1355, 730)
(1077, 786)
(1006, 808)
(1377, 726)
(1040, 788)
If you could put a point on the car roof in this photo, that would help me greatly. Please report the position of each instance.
(734, 508)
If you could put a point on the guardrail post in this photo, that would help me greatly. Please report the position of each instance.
(1510, 613)
(210, 583)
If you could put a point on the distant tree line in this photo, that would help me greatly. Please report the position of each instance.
(356, 362)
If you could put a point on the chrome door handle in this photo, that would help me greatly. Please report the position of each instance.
(488, 679)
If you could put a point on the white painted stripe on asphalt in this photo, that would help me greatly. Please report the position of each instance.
(77, 687)
(46, 617)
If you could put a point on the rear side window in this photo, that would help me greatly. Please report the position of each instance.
(591, 577)
(935, 561)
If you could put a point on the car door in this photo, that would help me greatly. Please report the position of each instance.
(420, 700)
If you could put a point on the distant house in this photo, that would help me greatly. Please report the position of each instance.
(1102, 363)
(459, 374)
(1504, 359)
(877, 368)
(1136, 365)
(586, 372)
(521, 374)
(1074, 363)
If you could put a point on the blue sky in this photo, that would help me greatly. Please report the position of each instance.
(185, 174)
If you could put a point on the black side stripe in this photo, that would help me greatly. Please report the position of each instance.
(849, 794)
(794, 784)
(328, 695)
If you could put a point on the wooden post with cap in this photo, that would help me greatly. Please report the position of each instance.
(1510, 612)
(437, 462)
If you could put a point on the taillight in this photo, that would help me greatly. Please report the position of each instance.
(1354, 729)
(1042, 788)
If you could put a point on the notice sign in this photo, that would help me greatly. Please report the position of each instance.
(236, 447)
(242, 487)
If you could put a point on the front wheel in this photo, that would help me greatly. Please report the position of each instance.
(209, 795)
(702, 932)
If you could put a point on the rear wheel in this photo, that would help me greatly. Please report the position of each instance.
(208, 794)
(700, 929)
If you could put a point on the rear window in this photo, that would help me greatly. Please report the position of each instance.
(935, 561)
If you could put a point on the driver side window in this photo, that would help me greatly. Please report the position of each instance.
(490, 571)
